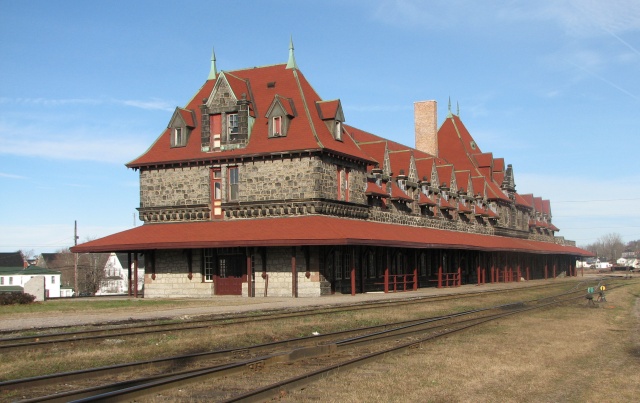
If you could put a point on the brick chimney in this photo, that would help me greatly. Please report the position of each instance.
(425, 115)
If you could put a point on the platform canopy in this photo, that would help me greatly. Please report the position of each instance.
(309, 230)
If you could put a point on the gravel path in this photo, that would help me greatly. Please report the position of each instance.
(223, 305)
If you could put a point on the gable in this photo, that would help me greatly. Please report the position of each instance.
(222, 97)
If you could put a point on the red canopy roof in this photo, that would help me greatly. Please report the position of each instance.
(308, 230)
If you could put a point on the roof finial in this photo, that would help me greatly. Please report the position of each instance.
(449, 113)
(291, 64)
(214, 72)
(458, 108)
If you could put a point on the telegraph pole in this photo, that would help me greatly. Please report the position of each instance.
(75, 258)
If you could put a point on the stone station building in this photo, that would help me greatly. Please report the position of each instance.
(258, 187)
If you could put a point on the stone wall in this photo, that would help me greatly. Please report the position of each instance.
(174, 187)
(171, 277)
(278, 278)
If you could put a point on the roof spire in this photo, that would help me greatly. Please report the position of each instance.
(291, 64)
(449, 113)
(214, 72)
(458, 108)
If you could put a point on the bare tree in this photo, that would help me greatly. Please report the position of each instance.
(612, 245)
(90, 269)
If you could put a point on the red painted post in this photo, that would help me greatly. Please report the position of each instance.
(478, 274)
(250, 290)
(386, 280)
(353, 281)
(459, 277)
(135, 275)
(554, 270)
(415, 279)
(294, 274)
(545, 270)
(527, 273)
(440, 277)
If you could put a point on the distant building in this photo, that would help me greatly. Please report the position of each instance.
(15, 279)
(12, 259)
(258, 187)
(116, 279)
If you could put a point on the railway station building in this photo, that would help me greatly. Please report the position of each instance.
(259, 187)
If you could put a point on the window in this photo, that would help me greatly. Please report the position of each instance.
(233, 184)
(1, 280)
(277, 126)
(232, 123)
(208, 264)
(338, 130)
(216, 192)
(53, 279)
(339, 182)
(10, 280)
(179, 138)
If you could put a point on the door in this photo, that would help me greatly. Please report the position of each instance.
(232, 272)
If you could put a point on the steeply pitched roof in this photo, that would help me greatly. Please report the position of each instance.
(11, 259)
(307, 131)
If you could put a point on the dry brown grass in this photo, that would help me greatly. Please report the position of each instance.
(573, 353)
(568, 354)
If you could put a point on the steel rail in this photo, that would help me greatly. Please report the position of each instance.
(44, 340)
(299, 353)
(168, 362)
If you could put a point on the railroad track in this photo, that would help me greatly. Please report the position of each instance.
(45, 338)
(348, 348)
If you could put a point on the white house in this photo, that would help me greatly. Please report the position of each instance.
(14, 279)
(116, 275)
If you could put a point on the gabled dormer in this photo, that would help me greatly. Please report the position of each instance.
(181, 124)
(331, 113)
(227, 114)
(279, 116)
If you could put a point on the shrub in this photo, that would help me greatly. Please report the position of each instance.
(16, 298)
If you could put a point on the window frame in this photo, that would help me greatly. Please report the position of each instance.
(233, 124)
(233, 179)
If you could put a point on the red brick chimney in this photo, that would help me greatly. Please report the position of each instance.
(425, 114)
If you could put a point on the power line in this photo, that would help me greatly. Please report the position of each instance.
(598, 200)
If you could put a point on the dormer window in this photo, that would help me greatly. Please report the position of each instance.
(277, 126)
(180, 126)
(232, 124)
(338, 130)
(178, 139)
(279, 116)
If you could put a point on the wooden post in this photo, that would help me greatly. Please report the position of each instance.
(135, 275)
(250, 291)
(129, 272)
(554, 269)
(294, 274)
(415, 279)
(386, 272)
(440, 276)
(459, 276)
(353, 280)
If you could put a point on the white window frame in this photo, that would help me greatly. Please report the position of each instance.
(232, 123)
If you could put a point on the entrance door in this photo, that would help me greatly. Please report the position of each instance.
(232, 272)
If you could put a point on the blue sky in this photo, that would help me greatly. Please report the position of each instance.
(551, 86)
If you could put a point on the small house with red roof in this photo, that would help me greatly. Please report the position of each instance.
(259, 187)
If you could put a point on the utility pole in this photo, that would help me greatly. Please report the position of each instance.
(75, 258)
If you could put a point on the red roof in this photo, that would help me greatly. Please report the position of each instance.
(374, 190)
(307, 131)
(425, 200)
(290, 231)
(398, 194)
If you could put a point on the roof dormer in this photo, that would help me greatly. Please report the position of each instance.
(180, 125)
(279, 116)
(331, 113)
